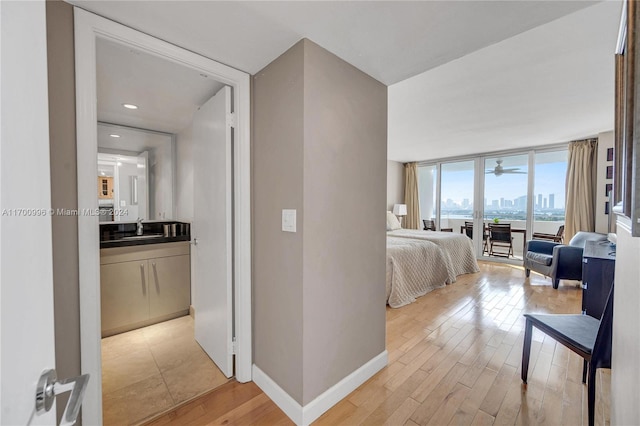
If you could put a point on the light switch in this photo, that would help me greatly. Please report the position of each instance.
(289, 220)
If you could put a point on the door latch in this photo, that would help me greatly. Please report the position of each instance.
(49, 386)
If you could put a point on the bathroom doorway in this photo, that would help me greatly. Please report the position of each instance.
(158, 136)
(92, 34)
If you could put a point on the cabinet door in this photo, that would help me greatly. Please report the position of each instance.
(124, 299)
(597, 279)
(170, 290)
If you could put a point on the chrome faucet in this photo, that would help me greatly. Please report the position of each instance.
(139, 230)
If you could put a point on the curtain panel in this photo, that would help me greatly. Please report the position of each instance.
(580, 188)
(411, 199)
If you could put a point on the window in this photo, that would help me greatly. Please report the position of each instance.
(427, 176)
(549, 191)
(456, 193)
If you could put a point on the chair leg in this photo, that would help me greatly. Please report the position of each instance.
(556, 283)
(591, 393)
(527, 272)
(526, 350)
(585, 366)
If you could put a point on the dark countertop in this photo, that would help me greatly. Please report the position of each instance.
(115, 234)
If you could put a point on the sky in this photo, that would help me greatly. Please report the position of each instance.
(549, 179)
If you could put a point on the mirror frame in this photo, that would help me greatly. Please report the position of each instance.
(627, 144)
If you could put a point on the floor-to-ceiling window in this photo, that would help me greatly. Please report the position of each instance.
(456, 193)
(505, 197)
(549, 191)
(525, 189)
(427, 178)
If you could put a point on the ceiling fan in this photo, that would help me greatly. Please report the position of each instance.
(499, 170)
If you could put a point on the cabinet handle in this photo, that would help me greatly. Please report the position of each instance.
(155, 276)
(144, 284)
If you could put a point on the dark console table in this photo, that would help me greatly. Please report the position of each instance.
(598, 267)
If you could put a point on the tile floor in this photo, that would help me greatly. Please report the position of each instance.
(152, 369)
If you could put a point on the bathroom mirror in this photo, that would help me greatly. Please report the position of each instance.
(135, 174)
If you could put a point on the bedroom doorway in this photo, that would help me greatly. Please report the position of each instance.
(88, 29)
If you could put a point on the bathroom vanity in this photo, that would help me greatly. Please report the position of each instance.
(144, 279)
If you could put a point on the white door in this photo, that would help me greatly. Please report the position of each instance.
(26, 297)
(212, 230)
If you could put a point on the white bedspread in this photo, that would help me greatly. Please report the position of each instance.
(414, 268)
(457, 248)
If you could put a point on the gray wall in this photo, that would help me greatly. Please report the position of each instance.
(395, 184)
(62, 134)
(319, 146)
(277, 174)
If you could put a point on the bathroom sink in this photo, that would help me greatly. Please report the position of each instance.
(142, 237)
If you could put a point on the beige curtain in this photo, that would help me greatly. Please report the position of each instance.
(411, 199)
(581, 188)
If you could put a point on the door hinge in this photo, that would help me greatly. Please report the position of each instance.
(231, 119)
(234, 346)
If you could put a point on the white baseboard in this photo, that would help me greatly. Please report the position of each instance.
(305, 415)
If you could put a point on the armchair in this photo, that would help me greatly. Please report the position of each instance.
(558, 261)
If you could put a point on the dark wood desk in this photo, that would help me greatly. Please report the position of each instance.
(598, 267)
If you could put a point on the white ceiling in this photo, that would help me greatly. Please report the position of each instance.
(389, 40)
(496, 76)
(552, 84)
(130, 140)
(167, 94)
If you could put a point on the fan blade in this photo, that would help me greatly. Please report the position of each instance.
(514, 172)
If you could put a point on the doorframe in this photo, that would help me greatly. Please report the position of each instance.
(88, 27)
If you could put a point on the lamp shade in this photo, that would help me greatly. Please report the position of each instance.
(400, 209)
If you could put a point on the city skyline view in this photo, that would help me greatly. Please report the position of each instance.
(505, 195)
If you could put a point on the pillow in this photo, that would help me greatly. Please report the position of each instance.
(392, 222)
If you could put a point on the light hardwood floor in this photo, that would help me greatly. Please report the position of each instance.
(454, 358)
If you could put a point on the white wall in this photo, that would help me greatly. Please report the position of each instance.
(395, 184)
(184, 184)
(605, 141)
(161, 172)
(125, 172)
(625, 371)
(184, 175)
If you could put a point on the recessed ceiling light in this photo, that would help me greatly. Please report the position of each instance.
(130, 106)
(114, 136)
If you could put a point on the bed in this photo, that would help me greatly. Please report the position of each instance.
(457, 249)
(414, 268)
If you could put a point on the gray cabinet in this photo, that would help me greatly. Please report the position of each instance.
(598, 269)
(124, 294)
(170, 291)
(143, 285)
